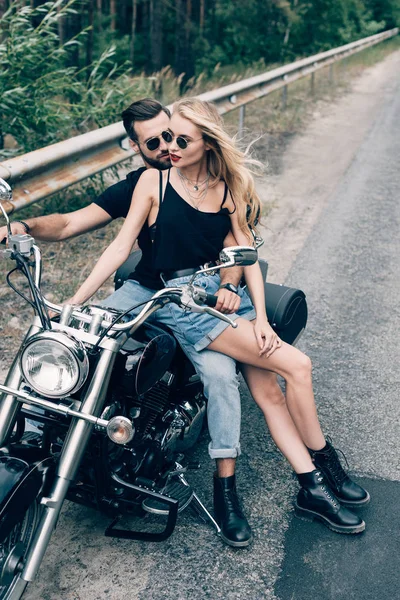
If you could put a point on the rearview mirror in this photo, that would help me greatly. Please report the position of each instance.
(5, 195)
(239, 255)
(5, 191)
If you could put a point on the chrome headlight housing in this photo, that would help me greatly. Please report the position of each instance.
(54, 364)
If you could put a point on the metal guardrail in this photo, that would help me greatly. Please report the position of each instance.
(41, 173)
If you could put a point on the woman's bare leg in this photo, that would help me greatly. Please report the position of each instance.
(287, 361)
(281, 426)
(315, 498)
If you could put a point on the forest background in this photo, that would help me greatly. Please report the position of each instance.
(72, 65)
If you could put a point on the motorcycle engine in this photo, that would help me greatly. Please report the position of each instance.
(145, 359)
(162, 394)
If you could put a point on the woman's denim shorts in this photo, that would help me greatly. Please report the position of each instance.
(200, 329)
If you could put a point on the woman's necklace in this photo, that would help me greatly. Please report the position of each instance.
(195, 201)
(194, 184)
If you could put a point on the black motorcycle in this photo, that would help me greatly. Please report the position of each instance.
(97, 375)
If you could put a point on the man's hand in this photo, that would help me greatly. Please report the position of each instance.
(228, 302)
(15, 229)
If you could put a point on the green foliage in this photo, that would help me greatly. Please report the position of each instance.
(43, 99)
(250, 30)
(32, 74)
(241, 33)
(331, 24)
(387, 11)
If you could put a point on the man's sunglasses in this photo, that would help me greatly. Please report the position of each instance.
(154, 142)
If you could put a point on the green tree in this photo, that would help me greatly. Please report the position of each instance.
(385, 10)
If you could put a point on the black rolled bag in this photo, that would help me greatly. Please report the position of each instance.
(286, 311)
(286, 306)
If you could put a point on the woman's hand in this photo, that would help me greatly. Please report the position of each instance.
(72, 301)
(267, 339)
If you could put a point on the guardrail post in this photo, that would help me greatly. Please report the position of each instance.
(331, 75)
(242, 114)
(312, 84)
(284, 97)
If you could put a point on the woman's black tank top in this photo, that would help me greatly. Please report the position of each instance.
(144, 272)
(182, 237)
(187, 237)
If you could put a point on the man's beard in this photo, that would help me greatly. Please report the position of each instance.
(155, 162)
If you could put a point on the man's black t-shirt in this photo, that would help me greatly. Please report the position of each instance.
(116, 201)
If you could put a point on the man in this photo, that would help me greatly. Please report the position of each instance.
(144, 122)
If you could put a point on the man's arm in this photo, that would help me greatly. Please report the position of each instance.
(57, 227)
(231, 274)
(229, 302)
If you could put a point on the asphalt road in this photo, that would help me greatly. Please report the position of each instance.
(350, 270)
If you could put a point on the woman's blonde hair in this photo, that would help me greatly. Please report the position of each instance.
(225, 160)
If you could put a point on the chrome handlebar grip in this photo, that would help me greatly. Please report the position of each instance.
(5, 194)
(38, 265)
(188, 300)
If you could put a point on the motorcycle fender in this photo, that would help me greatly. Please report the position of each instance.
(20, 484)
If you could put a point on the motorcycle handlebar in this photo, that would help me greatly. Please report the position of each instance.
(211, 300)
(162, 297)
(86, 318)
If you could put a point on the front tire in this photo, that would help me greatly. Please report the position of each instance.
(12, 552)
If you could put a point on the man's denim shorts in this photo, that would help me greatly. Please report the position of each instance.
(201, 329)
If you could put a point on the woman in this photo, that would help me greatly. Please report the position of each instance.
(208, 192)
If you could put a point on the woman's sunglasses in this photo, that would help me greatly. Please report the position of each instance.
(181, 142)
(154, 143)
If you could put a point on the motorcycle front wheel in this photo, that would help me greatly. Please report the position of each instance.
(12, 551)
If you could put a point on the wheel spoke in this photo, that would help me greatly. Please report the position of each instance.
(22, 532)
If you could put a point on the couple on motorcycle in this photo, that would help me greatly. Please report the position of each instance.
(182, 217)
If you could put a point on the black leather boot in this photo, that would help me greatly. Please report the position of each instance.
(349, 493)
(235, 529)
(316, 500)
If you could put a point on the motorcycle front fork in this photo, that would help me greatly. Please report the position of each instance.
(73, 449)
(10, 407)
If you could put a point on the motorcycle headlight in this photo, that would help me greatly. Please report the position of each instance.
(54, 364)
